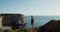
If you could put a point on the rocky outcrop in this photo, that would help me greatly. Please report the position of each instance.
(9, 19)
(51, 26)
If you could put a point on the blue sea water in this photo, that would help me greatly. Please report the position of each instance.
(39, 20)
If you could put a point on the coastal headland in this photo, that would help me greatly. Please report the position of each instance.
(6, 20)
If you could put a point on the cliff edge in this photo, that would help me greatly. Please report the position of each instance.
(51, 26)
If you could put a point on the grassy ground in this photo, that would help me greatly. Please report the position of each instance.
(24, 30)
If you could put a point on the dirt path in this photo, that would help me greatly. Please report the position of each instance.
(31, 30)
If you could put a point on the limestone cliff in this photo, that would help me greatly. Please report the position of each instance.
(9, 19)
(1, 22)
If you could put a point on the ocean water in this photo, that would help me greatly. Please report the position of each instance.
(39, 20)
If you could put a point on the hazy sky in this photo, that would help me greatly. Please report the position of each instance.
(30, 7)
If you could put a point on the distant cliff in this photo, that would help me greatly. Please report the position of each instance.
(9, 19)
(51, 26)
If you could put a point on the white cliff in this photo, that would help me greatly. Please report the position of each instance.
(1, 21)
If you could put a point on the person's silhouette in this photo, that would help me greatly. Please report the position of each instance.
(32, 21)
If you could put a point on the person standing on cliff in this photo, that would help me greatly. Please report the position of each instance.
(32, 21)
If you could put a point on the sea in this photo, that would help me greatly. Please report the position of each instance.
(39, 20)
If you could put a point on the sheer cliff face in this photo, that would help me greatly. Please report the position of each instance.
(51, 26)
(1, 21)
(9, 19)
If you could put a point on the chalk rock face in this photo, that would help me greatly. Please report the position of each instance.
(51, 26)
(1, 21)
(9, 19)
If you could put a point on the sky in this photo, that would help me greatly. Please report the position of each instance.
(30, 7)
